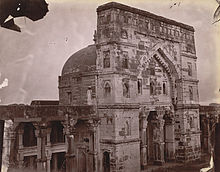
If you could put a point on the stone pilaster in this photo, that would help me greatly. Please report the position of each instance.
(159, 139)
(11, 144)
(94, 144)
(48, 157)
(20, 137)
(143, 135)
(48, 136)
(169, 136)
(41, 134)
(48, 151)
(20, 146)
(69, 130)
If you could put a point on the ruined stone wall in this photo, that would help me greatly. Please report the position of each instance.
(187, 135)
(127, 156)
(74, 88)
(123, 156)
(119, 134)
(119, 124)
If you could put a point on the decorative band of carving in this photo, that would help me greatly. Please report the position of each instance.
(119, 106)
(107, 141)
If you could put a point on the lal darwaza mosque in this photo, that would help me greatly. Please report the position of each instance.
(127, 101)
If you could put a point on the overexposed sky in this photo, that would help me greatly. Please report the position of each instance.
(33, 59)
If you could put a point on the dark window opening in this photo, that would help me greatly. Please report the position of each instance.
(56, 135)
(29, 138)
(93, 91)
(125, 19)
(152, 65)
(106, 59)
(141, 45)
(147, 24)
(152, 26)
(58, 162)
(126, 90)
(127, 129)
(190, 93)
(124, 34)
(107, 89)
(30, 162)
(108, 18)
(189, 69)
(78, 79)
(152, 71)
(106, 162)
(106, 62)
(152, 88)
(139, 84)
(164, 88)
(125, 60)
(191, 122)
(69, 95)
(125, 63)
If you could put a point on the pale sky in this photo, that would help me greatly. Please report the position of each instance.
(33, 59)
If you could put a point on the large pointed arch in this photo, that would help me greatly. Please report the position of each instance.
(164, 59)
(160, 53)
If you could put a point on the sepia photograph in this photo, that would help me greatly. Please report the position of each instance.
(109, 86)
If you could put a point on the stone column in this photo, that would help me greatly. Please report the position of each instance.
(159, 140)
(161, 143)
(208, 135)
(20, 138)
(41, 133)
(169, 136)
(48, 136)
(143, 135)
(20, 146)
(11, 144)
(48, 151)
(94, 144)
(48, 155)
(69, 130)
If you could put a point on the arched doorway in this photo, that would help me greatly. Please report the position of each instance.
(106, 162)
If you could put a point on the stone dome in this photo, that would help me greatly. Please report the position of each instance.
(83, 60)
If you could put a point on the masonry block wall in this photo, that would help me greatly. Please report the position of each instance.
(74, 89)
(152, 61)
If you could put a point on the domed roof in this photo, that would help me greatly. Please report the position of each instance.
(83, 60)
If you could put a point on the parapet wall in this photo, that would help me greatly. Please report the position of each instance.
(113, 14)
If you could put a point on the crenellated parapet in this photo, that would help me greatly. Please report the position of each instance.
(118, 22)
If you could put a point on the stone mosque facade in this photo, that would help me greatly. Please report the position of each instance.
(128, 101)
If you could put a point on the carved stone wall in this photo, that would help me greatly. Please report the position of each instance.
(152, 61)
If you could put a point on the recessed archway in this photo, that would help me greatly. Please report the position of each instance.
(106, 161)
(163, 59)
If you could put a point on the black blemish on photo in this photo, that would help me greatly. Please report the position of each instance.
(10, 9)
